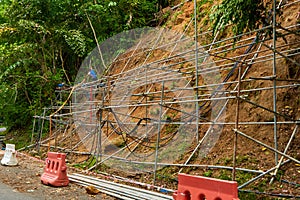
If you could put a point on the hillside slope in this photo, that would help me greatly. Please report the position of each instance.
(161, 106)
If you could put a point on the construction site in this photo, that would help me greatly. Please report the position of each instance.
(167, 102)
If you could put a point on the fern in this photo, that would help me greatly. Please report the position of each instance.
(240, 14)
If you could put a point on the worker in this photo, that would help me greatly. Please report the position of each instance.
(93, 74)
(62, 86)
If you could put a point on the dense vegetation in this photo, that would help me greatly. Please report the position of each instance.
(240, 14)
(43, 42)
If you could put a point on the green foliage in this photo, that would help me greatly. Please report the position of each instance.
(225, 175)
(247, 196)
(3, 5)
(241, 14)
(243, 177)
(42, 39)
(91, 161)
(75, 40)
(208, 173)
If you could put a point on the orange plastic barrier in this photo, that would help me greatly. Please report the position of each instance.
(200, 188)
(55, 171)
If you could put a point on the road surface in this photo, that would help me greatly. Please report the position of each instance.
(9, 193)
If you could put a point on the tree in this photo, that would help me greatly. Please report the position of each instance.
(43, 42)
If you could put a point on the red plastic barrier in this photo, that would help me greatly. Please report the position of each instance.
(203, 188)
(55, 171)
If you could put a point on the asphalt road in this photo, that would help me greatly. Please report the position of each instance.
(8, 193)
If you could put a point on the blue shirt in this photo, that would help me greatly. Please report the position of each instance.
(93, 74)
